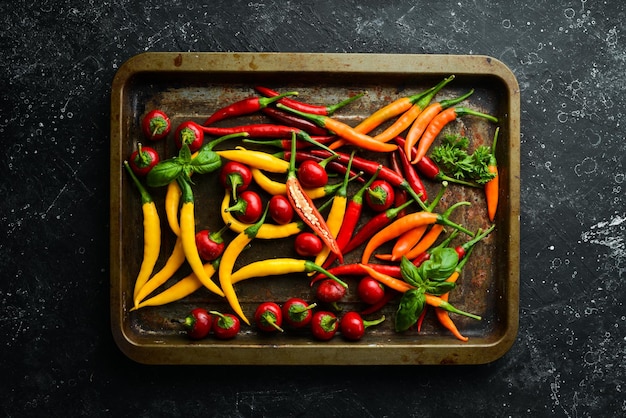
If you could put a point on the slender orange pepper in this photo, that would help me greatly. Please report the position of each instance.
(421, 122)
(492, 186)
(407, 118)
(439, 122)
(407, 222)
(442, 314)
(345, 131)
(402, 286)
(151, 234)
(393, 109)
(425, 243)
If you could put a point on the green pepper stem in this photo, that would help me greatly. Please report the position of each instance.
(310, 266)
(373, 322)
(319, 120)
(442, 190)
(145, 196)
(428, 95)
(451, 102)
(333, 108)
(253, 230)
(450, 308)
(461, 111)
(266, 101)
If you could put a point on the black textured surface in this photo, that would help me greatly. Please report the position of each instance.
(58, 60)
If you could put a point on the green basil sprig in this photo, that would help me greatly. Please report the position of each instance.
(205, 161)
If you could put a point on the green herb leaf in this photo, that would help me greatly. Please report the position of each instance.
(438, 288)
(411, 306)
(453, 158)
(410, 272)
(440, 265)
(206, 161)
(164, 172)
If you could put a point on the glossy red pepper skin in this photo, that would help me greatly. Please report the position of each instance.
(289, 119)
(156, 125)
(306, 107)
(324, 325)
(375, 224)
(389, 295)
(410, 174)
(334, 166)
(191, 133)
(370, 167)
(257, 130)
(242, 107)
(143, 159)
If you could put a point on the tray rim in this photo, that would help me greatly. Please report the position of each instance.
(457, 353)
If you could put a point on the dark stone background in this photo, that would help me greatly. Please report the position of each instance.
(58, 61)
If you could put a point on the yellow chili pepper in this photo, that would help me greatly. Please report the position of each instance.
(188, 237)
(183, 288)
(172, 203)
(279, 266)
(151, 233)
(274, 187)
(336, 214)
(232, 251)
(173, 263)
(267, 231)
(257, 159)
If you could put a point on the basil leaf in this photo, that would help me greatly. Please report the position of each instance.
(164, 172)
(411, 306)
(438, 288)
(440, 265)
(185, 153)
(410, 272)
(206, 161)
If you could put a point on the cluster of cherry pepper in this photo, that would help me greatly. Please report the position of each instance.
(310, 124)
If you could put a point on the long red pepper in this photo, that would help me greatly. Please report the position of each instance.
(410, 174)
(355, 269)
(374, 225)
(401, 195)
(243, 107)
(294, 121)
(370, 167)
(350, 220)
(307, 107)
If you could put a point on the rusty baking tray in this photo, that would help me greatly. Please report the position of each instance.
(193, 85)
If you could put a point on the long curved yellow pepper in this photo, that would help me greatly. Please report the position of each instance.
(188, 238)
(257, 159)
(227, 263)
(151, 233)
(274, 187)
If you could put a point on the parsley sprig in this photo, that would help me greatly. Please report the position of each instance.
(454, 159)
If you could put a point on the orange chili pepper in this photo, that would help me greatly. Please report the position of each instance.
(424, 118)
(492, 186)
(345, 131)
(408, 222)
(439, 122)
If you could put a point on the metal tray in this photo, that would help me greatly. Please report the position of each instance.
(193, 85)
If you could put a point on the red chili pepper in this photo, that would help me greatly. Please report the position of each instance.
(294, 121)
(374, 225)
(244, 107)
(306, 107)
(401, 195)
(258, 130)
(350, 220)
(331, 164)
(410, 174)
(370, 167)
(305, 208)
(389, 295)
(285, 144)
